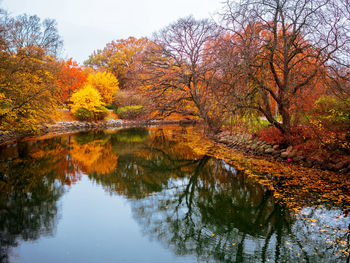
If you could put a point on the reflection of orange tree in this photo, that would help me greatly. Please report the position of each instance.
(94, 156)
(152, 163)
(168, 152)
(56, 155)
(173, 141)
(57, 152)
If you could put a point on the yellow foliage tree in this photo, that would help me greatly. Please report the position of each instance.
(28, 94)
(28, 69)
(87, 98)
(106, 83)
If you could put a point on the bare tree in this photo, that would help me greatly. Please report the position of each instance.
(28, 31)
(179, 72)
(339, 70)
(285, 48)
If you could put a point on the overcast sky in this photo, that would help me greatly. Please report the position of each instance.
(87, 25)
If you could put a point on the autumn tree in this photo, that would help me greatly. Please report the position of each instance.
(122, 58)
(24, 31)
(87, 104)
(179, 73)
(70, 78)
(27, 71)
(106, 84)
(284, 48)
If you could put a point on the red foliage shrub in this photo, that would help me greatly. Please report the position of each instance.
(299, 135)
(271, 135)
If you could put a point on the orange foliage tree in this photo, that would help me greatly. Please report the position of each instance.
(71, 77)
(122, 58)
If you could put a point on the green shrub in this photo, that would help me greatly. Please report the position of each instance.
(100, 113)
(333, 111)
(83, 114)
(131, 135)
(110, 107)
(131, 112)
(86, 137)
(326, 104)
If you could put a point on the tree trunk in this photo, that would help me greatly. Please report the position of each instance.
(286, 124)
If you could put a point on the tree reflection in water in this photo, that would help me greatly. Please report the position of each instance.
(216, 215)
(193, 204)
(30, 187)
(198, 205)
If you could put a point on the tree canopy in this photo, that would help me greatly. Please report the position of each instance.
(27, 71)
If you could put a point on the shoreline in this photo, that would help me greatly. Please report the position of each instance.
(60, 128)
(240, 142)
(292, 182)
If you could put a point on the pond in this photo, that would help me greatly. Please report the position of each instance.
(147, 195)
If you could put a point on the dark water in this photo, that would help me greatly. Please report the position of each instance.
(144, 195)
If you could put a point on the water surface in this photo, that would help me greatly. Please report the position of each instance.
(145, 195)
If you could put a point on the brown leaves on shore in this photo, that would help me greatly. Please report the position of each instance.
(293, 185)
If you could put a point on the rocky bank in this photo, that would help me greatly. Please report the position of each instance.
(246, 143)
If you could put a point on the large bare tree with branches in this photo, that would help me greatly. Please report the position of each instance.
(285, 49)
(179, 72)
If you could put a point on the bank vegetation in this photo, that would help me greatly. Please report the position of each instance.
(277, 70)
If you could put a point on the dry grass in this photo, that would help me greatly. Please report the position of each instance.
(112, 115)
(64, 116)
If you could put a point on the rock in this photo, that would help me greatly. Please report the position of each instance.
(334, 160)
(269, 151)
(328, 166)
(292, 154)
(308, 163)
(317, 165)
(289, 149)
(284, 154)
(261, 149)
(298, 158)
(339, 165)
(254, 147)
(276, 154)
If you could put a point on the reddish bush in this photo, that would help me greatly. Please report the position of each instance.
(271, 135)
(299, 135)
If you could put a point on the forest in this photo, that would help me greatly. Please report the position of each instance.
(278, 70)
